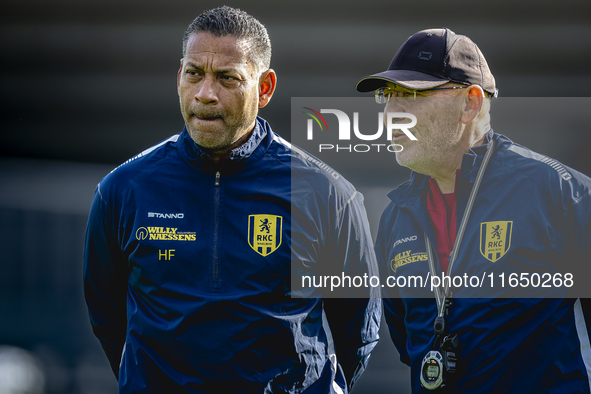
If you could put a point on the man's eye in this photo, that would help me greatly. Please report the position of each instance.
(191, 72)
(228, 77)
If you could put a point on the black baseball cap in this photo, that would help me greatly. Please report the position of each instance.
(431, 58)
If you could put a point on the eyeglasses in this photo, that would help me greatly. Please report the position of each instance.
(383, 95)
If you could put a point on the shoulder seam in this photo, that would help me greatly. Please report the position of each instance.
(557, 166)
(578, 200)
(552, 163)
(98, 190)
(348, 202)
(327, 170)
(320, 164)
(173, 138)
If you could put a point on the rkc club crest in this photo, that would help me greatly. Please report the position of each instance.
(495, 239)
(264, 233)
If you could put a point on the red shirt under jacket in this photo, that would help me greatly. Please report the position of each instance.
(442, 209)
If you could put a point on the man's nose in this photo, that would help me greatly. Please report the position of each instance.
(207, 93)
(396, 104)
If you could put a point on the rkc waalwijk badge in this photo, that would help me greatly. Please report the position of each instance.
(264, 233)
(495, 239)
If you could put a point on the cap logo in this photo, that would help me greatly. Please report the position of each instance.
(425, 55)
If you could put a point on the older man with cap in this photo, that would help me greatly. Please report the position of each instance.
(478, 205)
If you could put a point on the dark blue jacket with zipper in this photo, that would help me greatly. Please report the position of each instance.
(531, 218)
(187, 271)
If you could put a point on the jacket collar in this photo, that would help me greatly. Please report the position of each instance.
(249, 152)
(409, 193)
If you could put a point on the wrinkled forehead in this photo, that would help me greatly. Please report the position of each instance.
(222, 50)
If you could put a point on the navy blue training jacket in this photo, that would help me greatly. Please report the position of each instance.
(531, 215)
(187, 271)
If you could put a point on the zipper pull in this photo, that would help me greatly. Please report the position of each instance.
(217, 179)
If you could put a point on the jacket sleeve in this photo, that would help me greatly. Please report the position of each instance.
(354, 322)
(394, 309)
(575, 215)
(576, 227)
(394, 312)
(105, 281)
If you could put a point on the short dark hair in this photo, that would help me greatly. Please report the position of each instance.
(228, 21)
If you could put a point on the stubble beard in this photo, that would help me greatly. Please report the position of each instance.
(428, 154)
(426, 158)
(232, 129)
(220, 138)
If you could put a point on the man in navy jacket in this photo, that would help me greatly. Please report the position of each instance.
(191, 244)
(509, 226)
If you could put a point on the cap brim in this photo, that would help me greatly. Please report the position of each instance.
(407, 78)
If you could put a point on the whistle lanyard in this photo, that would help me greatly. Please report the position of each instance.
(442, 294)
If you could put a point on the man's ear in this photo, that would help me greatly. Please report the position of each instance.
(267, 83)
(178, 79)
(473, 103)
